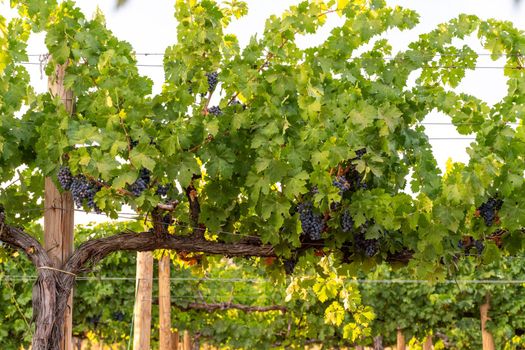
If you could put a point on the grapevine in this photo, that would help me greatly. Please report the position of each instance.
(310, 112)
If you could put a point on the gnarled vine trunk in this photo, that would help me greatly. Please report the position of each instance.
(54, 284)
(50, 298)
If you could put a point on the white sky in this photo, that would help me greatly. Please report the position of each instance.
(150, 27)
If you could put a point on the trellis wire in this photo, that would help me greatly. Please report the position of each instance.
(255, 280)
(424, 67)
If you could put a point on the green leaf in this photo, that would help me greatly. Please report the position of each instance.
(141, 160)
(123, 179)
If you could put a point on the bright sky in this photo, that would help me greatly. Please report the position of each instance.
(150, 27)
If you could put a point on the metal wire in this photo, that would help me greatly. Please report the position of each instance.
(259, 280)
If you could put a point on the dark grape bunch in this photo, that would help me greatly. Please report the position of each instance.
(468, 243)
(489, 209)
(162, 190)
(347, 223)
(360, 153)
(341, 183)
(215, 110)
(369, 247)
(167, 220)
(312, 225)
(118, 316)
(94, 320)
(84, 190)
(334, 206)
(141, 183)
(479, 246)
(133, 143)
(289, 266)
(65, 178)
(213, 79)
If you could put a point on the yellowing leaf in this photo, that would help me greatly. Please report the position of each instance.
(325, 289)
(241, 98)
(4, 55)
(334, 314)
(351, 331)
(449, 166)
(341, 4)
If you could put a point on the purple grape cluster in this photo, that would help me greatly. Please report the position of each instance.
(341, 183)
(312, 225)
(369, 247)
(141, 184)
(347, 223)
(65, 178)
(466, 245)
(360, 153)
(84, 191)
(479, 246)
(94, 320)
(162, 190)
(118, 316)
(334, 206)
(489, 209)
(215, 110)
(213, 79)
(167, 220)
(289, 266)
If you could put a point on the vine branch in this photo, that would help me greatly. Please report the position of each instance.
(210, 307)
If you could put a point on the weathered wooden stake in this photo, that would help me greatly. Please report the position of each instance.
(142, 311)
(59, 213)
(401, 344)
(164, 303)
(175, 340)
(427, 345)
(187, 341)
(486, 337)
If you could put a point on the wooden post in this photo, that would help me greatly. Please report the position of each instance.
(59, 213)
(187, 341)
(401, 344)
(142, 311)
(175, 340)
(359, 347)
(486, 337)
(164, 303)
(427, 345)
